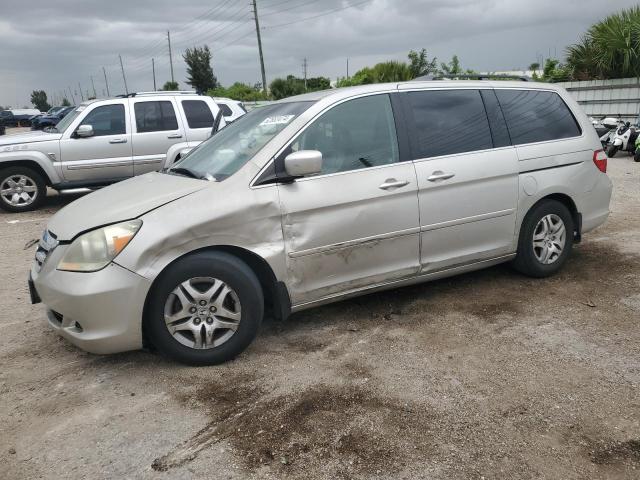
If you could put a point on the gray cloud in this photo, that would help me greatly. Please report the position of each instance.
(55, 45)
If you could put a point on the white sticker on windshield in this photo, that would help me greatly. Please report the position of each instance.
(277, 120)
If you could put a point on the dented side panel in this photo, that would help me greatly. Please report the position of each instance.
(343, 231)
(225, 213)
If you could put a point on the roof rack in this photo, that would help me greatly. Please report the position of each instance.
(160, 92)
(473, 76)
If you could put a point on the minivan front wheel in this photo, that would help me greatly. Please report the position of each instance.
(205, 309)
(546, 239)
(21, 189)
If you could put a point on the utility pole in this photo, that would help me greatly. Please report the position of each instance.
(264, 76)
(347, 69)
(304, 73)
(95, 95)
(126, 90)
(105, 81)
(153, 68)
(80, 88)
(73, 99)
(170, 56)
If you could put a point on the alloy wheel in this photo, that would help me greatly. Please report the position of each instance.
(18, 190)
(202, 313)
(549, 238)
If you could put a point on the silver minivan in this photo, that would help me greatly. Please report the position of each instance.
(319, 197)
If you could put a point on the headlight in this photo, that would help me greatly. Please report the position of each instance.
(96, 249)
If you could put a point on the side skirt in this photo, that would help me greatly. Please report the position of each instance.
(449, 272)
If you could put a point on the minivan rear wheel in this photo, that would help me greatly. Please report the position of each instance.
(21, 189)
(546, 239)
(205, 309)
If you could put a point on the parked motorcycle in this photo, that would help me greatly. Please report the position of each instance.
(606, 129)
(624, 139)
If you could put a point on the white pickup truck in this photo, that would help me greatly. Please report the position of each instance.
(102, 142)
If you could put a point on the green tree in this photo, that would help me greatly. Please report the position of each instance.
(609, 49)
(291, 85)
(420, 65)
(392, 71)
(39, 100)
(554, 71)
(170, 86)
(535, 66)
(65, 102)
(199, 72)
(239, 91)
(453, 67)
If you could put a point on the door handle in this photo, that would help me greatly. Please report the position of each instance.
(174, 135)
(391, 183)
(438, 175)
(118, 140)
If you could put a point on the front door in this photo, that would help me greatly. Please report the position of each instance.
(356, 223)
(156, 129)
(104, 156)
(467, 176)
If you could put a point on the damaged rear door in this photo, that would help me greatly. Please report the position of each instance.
(356, 223)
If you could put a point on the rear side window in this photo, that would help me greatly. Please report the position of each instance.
(536, 116)
(448, 122)
(155, 116)
(198, 114)
(226, 110)
(107, 120)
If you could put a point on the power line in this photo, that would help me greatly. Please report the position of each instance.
(317, 16)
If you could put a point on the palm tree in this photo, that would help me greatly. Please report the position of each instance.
(610, 49)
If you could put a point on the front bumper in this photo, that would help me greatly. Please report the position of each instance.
(100, 312)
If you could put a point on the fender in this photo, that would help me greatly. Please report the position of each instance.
(47, 165)
(617, 142)
(178, 149)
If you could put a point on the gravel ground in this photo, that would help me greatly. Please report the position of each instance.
(485, 375)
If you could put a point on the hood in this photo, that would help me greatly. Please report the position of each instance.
(31, 137)
(122, 201)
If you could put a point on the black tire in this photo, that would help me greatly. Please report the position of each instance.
(526, 261)
(38, 181)
(611, 151)
(636, 157)
(234, 273)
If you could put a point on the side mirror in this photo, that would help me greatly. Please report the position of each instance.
(84, 131)
(303, 163)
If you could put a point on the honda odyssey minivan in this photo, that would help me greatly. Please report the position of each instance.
(317, 198)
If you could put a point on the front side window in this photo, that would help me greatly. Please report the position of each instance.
(536, 116)
(448, 122)
(237, 143)
(106, 120)
(155, 117)
(356, 134)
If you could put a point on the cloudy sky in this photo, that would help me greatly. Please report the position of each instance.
(56, 45)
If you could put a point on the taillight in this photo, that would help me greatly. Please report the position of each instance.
(600, 159)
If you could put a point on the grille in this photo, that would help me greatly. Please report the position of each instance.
(45, 246)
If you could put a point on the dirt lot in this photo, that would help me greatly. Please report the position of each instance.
(486, 375)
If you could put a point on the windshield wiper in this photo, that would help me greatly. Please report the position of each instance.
(185, 172)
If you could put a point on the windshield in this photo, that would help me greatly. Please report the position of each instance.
(228, 150)
(63, 124)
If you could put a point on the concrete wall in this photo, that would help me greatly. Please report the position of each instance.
(604, 98)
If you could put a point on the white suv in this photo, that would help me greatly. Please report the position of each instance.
(102, 142)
